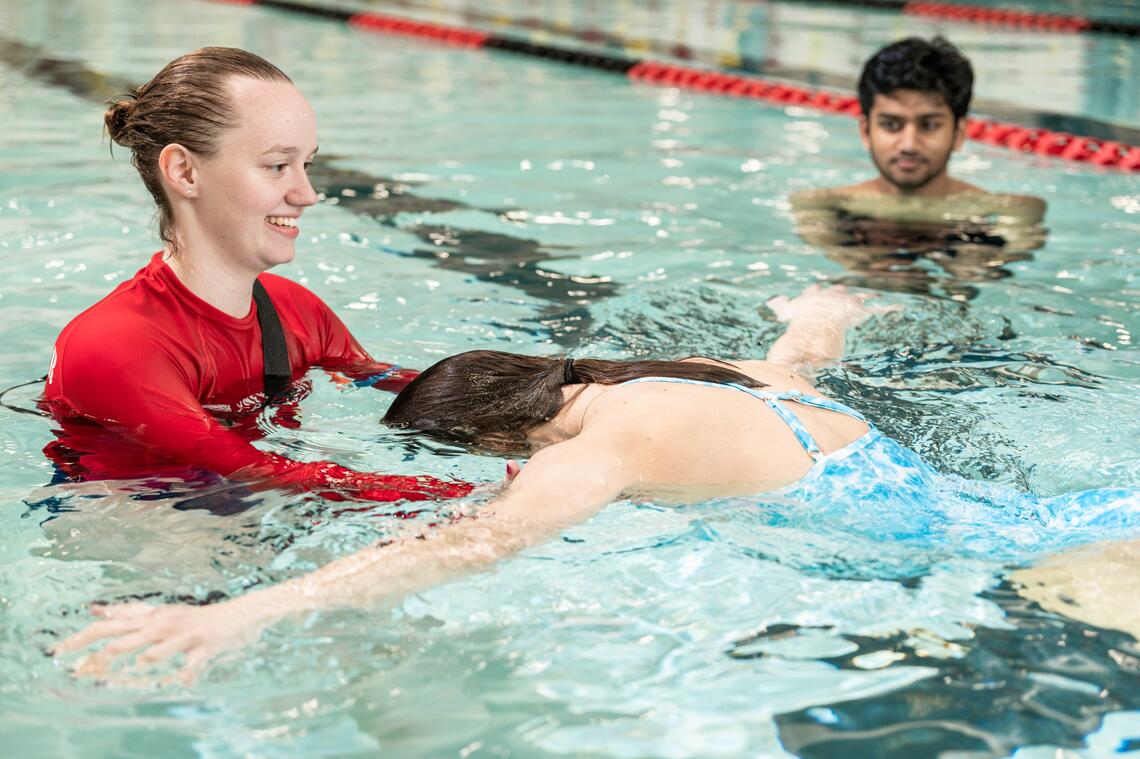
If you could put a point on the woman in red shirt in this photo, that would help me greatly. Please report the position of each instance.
(162, 376)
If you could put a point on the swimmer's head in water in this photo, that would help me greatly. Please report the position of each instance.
(186, 103)
(494, 400)
(914, 95)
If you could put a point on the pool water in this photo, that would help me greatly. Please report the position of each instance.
(476, 199)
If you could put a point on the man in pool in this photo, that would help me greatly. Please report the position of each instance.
(914, 95)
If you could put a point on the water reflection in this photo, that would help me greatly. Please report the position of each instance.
(937, 250)
(1043, 679)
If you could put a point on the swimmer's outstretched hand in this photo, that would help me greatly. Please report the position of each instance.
(818, 320)
(155, 634)
(835, 305)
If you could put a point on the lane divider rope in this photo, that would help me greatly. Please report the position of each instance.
(981, 14)
(1027, 20)
(1040, 141)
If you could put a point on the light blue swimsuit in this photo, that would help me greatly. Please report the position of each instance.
(877, 472)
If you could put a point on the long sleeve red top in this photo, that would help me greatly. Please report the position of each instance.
(154, 381)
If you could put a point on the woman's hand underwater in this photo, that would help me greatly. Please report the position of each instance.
(835, 305)
(155, 634)
(818, 320)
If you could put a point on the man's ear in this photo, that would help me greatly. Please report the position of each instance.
(959, 132)
(865, 131)
(179, 171)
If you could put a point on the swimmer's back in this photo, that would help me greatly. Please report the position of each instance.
(684, 434)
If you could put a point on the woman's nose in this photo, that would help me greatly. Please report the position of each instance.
(302, 193)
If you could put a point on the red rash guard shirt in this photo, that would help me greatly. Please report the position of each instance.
(152, 380)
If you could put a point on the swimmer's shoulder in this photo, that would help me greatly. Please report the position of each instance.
(827, 198)
(776, 376)
(125, 312)
(301, 311)
(1026, 209)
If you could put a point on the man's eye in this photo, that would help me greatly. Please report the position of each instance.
(932, 126)
(279, 168)
(890, 126)
(308, 165)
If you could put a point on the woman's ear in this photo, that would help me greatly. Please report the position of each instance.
(179, 173)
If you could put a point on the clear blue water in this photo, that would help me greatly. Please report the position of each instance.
(577, 213)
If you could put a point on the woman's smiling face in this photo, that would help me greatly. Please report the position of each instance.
(252, 192)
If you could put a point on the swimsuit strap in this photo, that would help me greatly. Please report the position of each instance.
(773, 400)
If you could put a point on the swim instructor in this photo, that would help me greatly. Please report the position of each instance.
(164, 375)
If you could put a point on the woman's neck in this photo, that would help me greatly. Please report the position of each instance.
(571, 418)
(225, 287)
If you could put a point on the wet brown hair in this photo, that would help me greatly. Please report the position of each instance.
(495, 399)
(187, 103)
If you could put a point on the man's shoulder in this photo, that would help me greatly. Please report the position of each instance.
(831, 197)
(1029, 208)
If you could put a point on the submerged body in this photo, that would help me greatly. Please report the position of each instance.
(153, 381)
(175, 393)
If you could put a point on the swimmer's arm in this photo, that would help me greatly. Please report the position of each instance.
(818, 321)
(560, 486)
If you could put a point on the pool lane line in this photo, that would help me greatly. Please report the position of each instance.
(1009, 18)
(1038, 140)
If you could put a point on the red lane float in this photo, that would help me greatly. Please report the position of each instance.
(449, 35)
(1050, 22)
(733, 85)
(1013, 136)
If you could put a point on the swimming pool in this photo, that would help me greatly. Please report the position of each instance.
(483, 200)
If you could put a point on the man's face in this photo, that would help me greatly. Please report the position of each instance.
(910, 136)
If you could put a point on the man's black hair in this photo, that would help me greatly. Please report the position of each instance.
(916, 64)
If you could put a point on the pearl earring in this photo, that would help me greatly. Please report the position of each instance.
(189, 192)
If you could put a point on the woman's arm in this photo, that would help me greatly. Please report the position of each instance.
(560, 486)
(818, 320)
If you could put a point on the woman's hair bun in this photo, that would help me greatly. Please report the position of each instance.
(118, 112)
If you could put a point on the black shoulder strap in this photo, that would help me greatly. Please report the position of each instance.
(275, 353)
